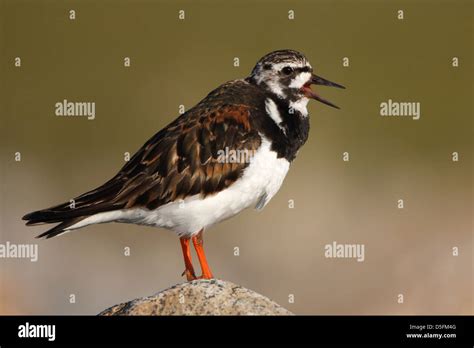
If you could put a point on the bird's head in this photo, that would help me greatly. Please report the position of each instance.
(289, 75)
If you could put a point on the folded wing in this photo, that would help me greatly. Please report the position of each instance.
(183, 159)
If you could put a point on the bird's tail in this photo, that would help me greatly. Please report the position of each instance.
(47, 216)
(63, 227)
(67, 216)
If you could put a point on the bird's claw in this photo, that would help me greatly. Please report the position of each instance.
(189, 275)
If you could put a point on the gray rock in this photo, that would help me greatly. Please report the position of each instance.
(201, 297)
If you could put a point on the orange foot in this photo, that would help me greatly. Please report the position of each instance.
(205, 277)
(189, 271)
(189, 275)
(198, 243)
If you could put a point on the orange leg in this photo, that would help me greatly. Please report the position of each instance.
(198, 242)
(189, 271)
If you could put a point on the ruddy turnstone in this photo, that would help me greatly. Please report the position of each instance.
(191, 174)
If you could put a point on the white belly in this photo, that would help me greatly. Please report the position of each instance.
(261, 179)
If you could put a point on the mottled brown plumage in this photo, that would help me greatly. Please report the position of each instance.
(180, 160)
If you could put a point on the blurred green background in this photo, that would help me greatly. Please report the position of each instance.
(407, 251)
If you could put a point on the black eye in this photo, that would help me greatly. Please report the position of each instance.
(287, 70)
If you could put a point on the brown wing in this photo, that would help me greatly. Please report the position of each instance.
(180, 160)
(185, 158)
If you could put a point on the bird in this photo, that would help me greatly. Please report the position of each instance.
(192, 175)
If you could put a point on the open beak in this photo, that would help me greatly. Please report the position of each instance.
(317, 80)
